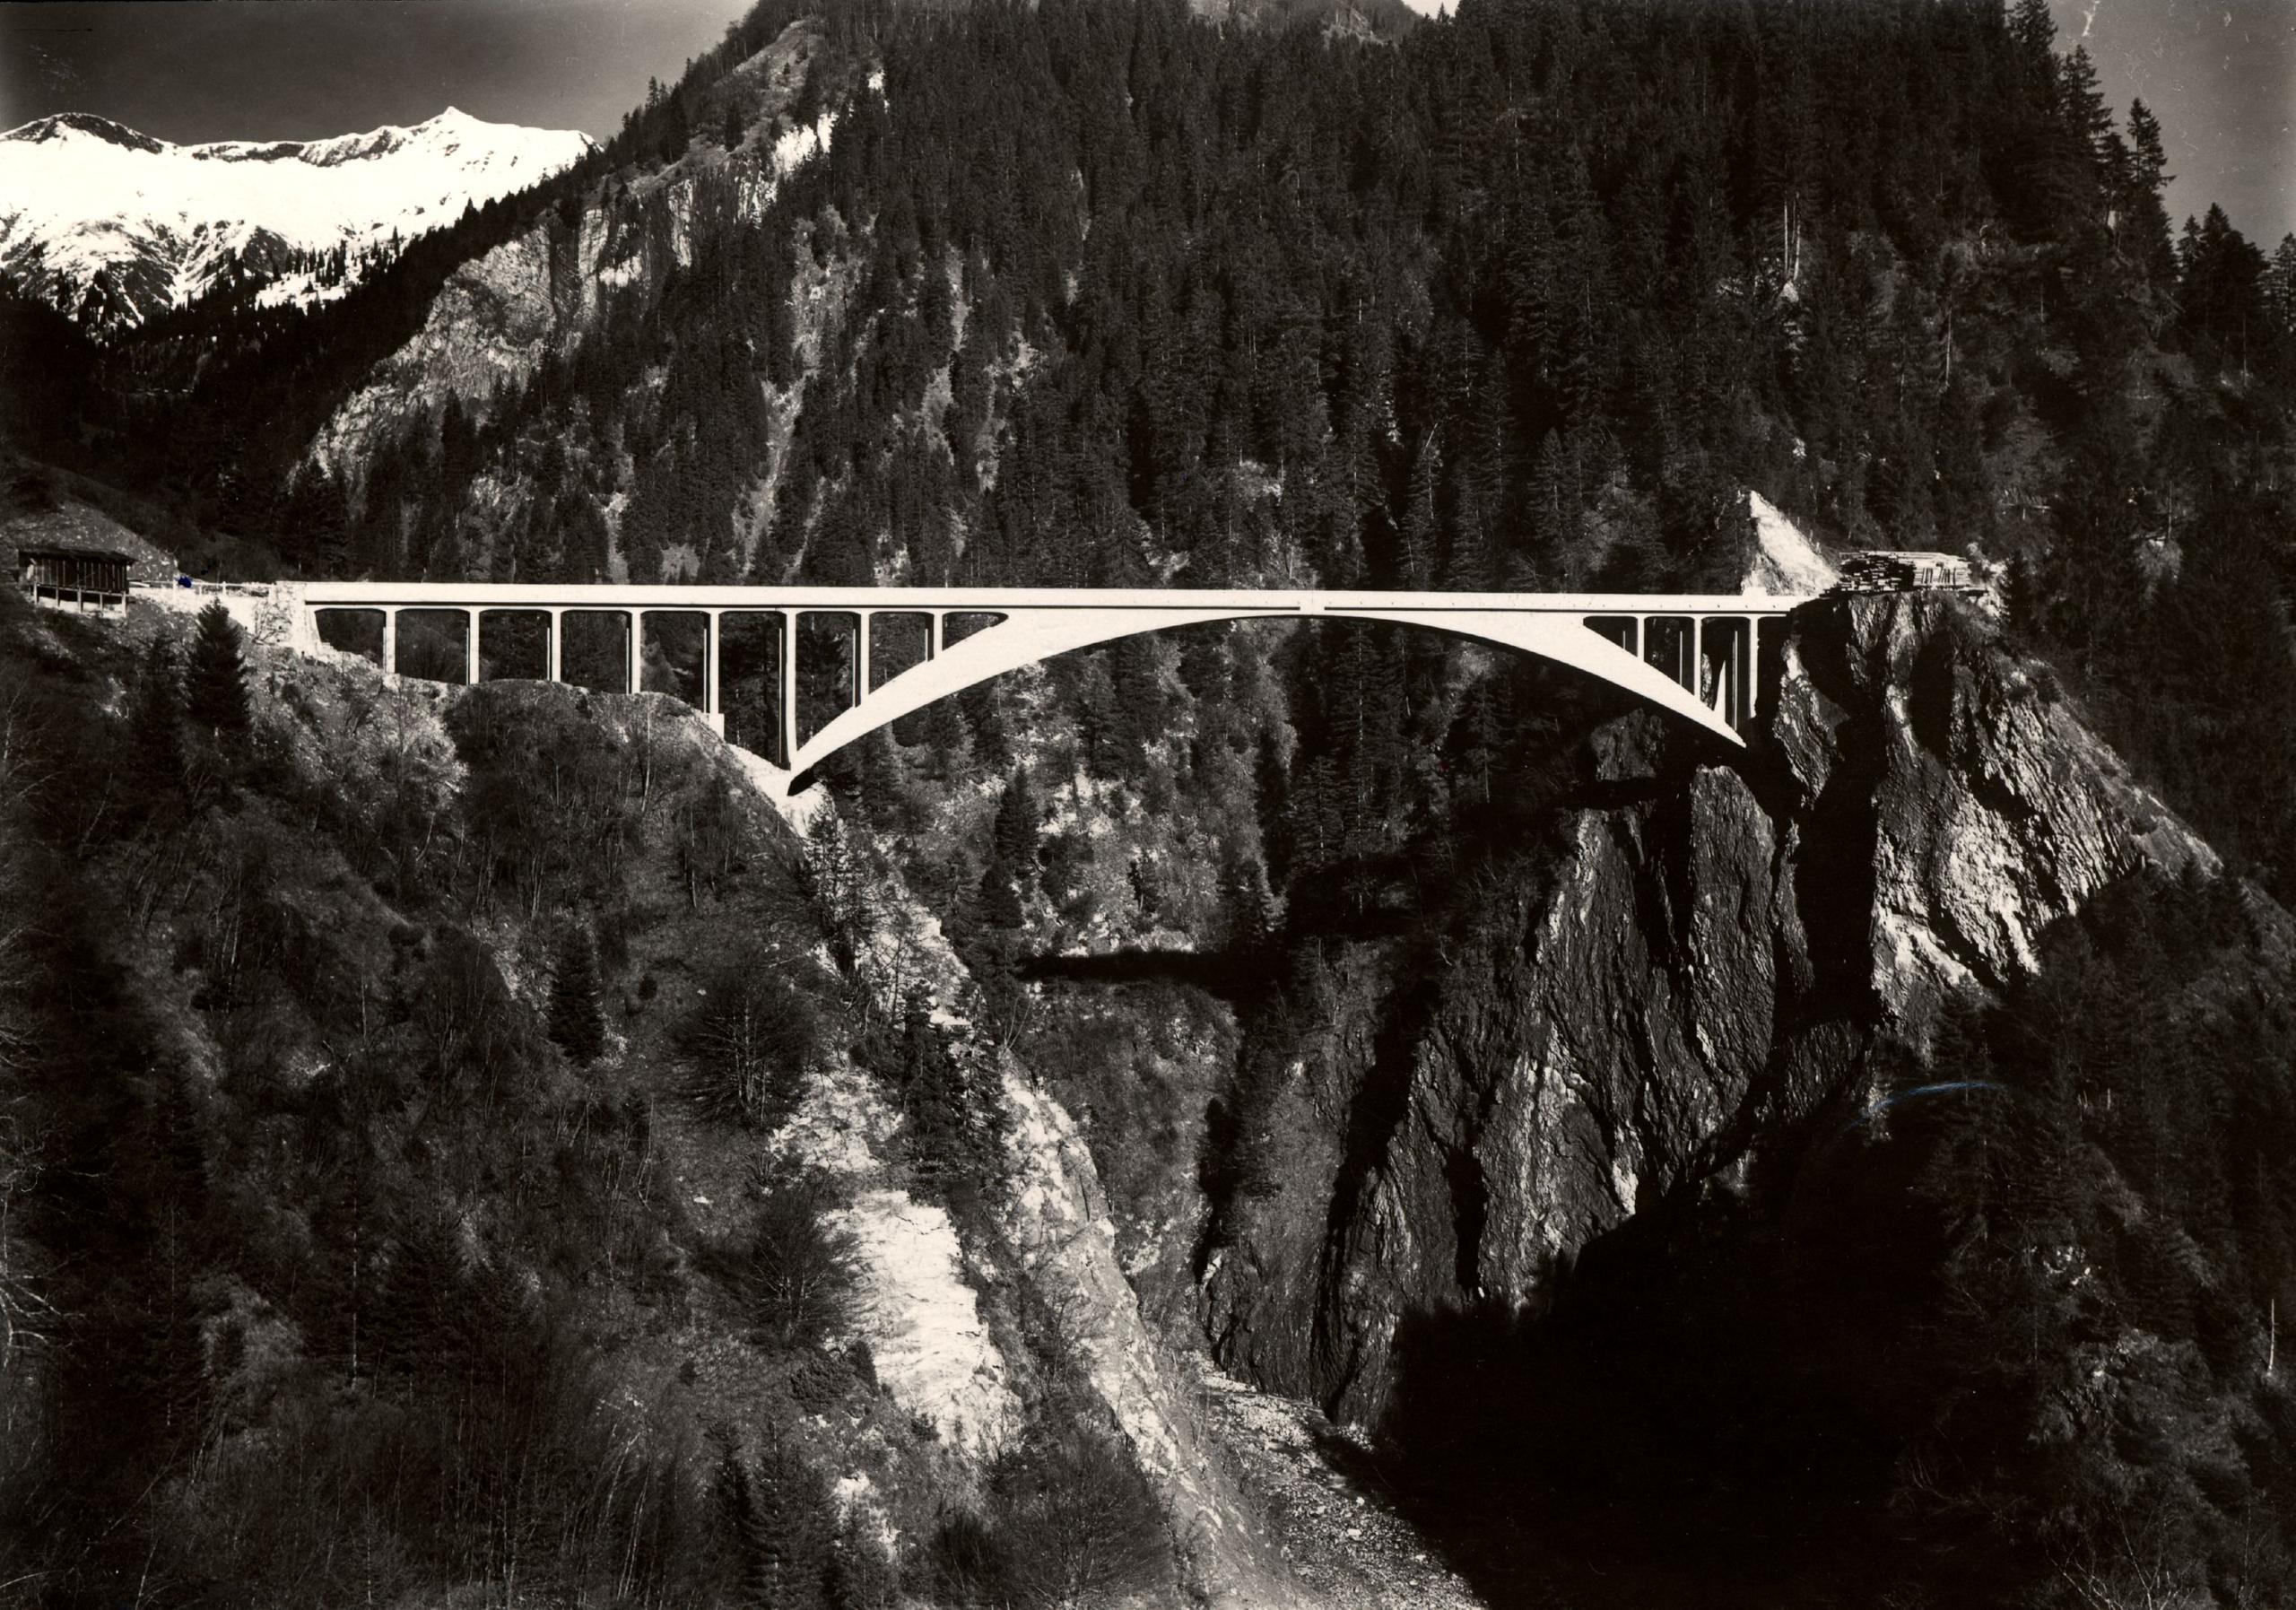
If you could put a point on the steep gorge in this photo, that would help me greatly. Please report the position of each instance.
(1636, 1016)
(1848, 1169)
(1514, 1173)
(1597, 1166)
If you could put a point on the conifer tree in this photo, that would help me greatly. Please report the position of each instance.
(1416, 562)
(1143, 714)
(1251, 914)
(877, 779)
(2146, 232)
(860, 1576)
(577, 1026)
(2280, 285)
(675, 133)
(1466, 564)
(776, 1517)
(947, 739)
(1012, 861)
(215, 691)
(935, 1101)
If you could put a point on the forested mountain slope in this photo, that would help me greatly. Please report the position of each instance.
(468, 1143)
(1839, 1171)
(464, 1142)
(1095, 293)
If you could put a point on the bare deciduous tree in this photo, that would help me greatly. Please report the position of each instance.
(797, 1272)
(749, 1043)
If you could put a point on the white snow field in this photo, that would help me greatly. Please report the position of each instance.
(81, 195)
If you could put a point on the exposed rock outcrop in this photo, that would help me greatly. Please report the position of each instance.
(1990, 809)
(498, 316)
(1059, 1220)
(1629, 1018)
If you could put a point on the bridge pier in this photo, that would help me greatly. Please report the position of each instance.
(1753, 668)
(1724, 666)
(709, 695)
(787, 713)
(1681, 653)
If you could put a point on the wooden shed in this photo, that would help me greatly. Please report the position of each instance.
(75, 528)
(88, 580)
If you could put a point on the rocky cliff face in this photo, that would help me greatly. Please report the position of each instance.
(499, 315)
(1631, 1017)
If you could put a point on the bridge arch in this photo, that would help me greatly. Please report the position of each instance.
(1028, 637)
(1696, 656)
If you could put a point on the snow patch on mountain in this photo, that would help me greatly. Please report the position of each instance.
(114, 226)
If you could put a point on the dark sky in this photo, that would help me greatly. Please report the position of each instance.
(302, 69)
(2220, 73)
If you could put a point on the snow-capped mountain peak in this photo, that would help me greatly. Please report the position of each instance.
(65, 125)
(114, 226)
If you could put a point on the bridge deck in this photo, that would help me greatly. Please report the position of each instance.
(800, 658)
(506, 595)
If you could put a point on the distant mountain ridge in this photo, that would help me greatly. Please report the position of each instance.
(115, 227)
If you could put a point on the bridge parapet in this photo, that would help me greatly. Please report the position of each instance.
(795, 674)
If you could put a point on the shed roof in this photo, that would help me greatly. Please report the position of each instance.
(52, 551)
(76, 527)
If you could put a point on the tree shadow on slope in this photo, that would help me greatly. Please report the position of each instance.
(1219, 973)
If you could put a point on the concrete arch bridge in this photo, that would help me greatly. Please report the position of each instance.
(794, 673)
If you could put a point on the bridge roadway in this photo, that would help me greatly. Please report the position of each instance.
(859, 657)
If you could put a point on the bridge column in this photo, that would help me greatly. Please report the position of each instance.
(556, 670)
(1753, 667)
(709, 663)
(470, 649)
(1745, 675)
(933, 637)
(861, 656)
(1682, 668)
(1697, 658)
(790, 688)
(636, 666)
(390, 642)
